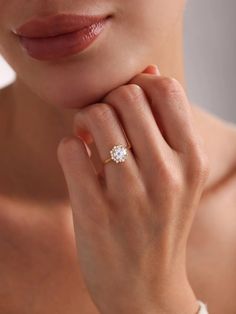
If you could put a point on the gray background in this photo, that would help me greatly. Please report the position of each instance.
(210, 50)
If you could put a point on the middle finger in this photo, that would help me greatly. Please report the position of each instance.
(145, 134)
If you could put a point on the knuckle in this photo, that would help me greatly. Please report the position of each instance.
(200, 167)
(101, 112)
(132, 93)
(169, 87)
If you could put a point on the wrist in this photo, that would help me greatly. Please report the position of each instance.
(185, 305)
(177, 299)
(179, 302)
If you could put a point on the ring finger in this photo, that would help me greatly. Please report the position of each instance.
(101, 122)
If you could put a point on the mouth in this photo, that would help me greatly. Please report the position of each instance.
(61, 35)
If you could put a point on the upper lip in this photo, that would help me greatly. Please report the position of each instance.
(41, 27)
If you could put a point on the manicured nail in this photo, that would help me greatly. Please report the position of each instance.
(152, 69)
(155, 69)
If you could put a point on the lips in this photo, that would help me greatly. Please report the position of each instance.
(57, 36)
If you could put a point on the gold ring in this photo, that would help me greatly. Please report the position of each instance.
(118, 153)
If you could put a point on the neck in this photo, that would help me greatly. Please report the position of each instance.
(47, 124)
(170, 59)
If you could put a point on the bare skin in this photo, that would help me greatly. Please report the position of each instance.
(38, 265)
(37, 242)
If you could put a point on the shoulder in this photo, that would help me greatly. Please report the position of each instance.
(212, 241)
(218, 201)
(219, 137)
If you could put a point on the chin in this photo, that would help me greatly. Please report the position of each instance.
(77, 90)
(81, 81)
(71, 97)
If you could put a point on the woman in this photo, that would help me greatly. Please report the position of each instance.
(153, 232)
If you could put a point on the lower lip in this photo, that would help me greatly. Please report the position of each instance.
(51, 48)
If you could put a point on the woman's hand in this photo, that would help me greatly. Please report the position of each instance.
(132, 222)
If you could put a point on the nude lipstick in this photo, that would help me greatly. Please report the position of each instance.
(61, 35)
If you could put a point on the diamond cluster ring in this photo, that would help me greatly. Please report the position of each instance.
(118, 153)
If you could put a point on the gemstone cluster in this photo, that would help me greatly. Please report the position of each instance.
(119, 153)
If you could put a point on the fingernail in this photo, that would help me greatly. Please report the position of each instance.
(152, 69)
(156, 69)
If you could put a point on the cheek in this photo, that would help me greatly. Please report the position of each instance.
(158, 15)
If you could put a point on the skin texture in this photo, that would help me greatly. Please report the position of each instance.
(50, 228)
(151, 258)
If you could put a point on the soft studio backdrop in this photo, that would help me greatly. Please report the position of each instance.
(210, 51)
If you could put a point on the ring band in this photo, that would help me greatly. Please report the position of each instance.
(118, 153)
